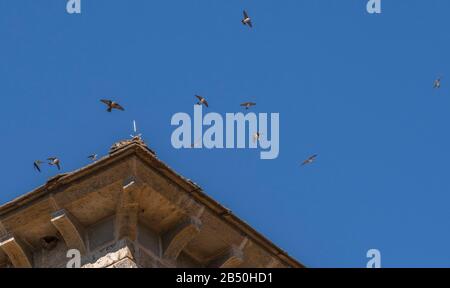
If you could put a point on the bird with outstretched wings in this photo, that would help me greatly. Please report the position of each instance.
(247, 20)
(37, 165)
(54, 161)
(93, 157)
(310, 160)
(247, 105)
(437, 83)
(112, 105)
(201, 100)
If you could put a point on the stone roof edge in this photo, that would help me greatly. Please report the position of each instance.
(147, 155)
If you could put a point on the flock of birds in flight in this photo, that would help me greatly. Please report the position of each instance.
(111, 105)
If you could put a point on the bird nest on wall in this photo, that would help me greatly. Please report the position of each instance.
(136, 139)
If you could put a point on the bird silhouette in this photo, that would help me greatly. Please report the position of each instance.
(201, 100)
(437, 83)
(310, 160)
(93, 157)
(112, 105)
(247, 20)
(37, 165)
(256, 136)
(54, 161)
(247, 105)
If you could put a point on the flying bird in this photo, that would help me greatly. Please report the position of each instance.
(256, 136)
(310, 160)
(54, 161)
(247, 20)
(201, 100)
(93, 157)
(247, 105)
(37, 165)
(112, 105)
(437, 83)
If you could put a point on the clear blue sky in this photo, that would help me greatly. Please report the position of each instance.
(354, 88)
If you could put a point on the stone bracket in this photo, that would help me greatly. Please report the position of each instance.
(17, 252)
(128, 209)
(231, 258)
(179, 236)
(70, 229)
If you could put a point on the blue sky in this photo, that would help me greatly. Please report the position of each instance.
(354, 88)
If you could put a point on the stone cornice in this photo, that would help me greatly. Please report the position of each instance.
(135, 148)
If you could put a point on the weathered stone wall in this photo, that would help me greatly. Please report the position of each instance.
(104, 251)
